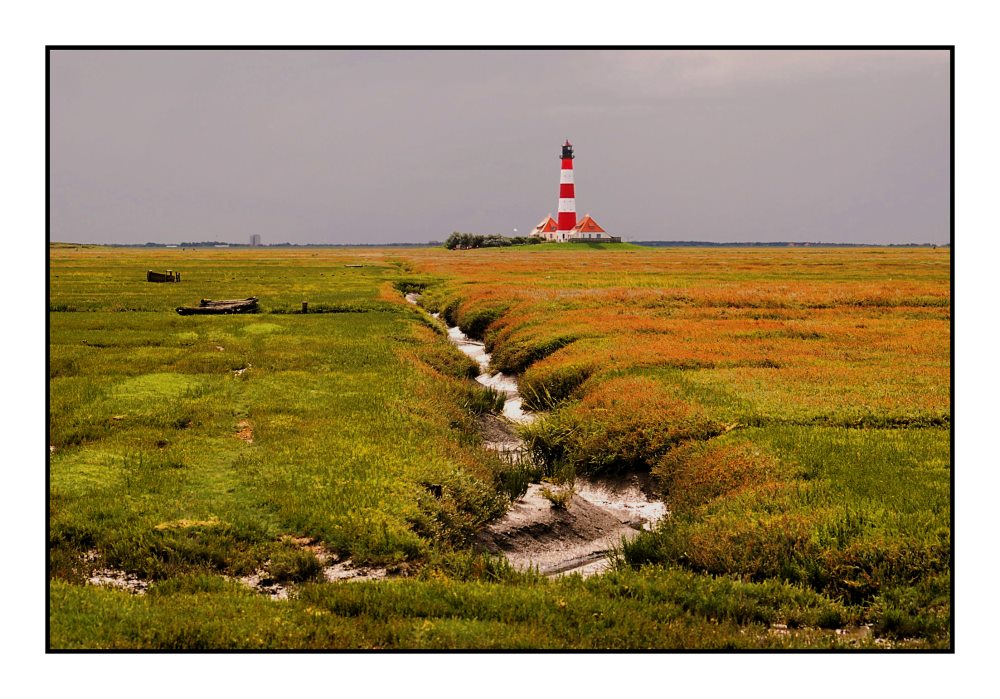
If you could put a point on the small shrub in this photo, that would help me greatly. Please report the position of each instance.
(514, 356)
(831, 618)
(547, 439)
(515, 474)
(293, 565)
(469, 241)
(473, 322)
(410, 286)
(559, 497)
(545, 388)
(478, 399)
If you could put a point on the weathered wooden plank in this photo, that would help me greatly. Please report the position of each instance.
(208, 307)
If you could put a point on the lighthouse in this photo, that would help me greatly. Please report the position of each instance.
(565, 228)
(567, 195)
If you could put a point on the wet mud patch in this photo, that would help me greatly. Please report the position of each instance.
(261, 581)
(346, 571)
(264, 580)
(108, 577)
(333, 569)
(498, 434)
(111, 577)
(630, 496)
(576, 538)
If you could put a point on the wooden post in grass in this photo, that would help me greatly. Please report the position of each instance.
(305, 306)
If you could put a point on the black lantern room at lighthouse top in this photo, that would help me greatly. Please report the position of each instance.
(567, 150)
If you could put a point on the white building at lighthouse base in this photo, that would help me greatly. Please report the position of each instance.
(586, 229)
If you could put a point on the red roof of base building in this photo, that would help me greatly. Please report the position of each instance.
(546, 225)
(587, 225)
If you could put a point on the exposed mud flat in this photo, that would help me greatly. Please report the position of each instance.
(499, 435)
(629, 496)
(333, 571)
(555, 541)
(261, 582)
(107, 577)
(578, 538)
(336, 569)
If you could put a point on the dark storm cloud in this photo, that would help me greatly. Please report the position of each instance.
(382, 146)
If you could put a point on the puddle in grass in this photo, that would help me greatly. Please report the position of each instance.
(534, 534)
(334, 570)
(110, 577)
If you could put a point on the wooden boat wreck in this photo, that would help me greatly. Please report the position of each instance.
(207, 307)
(169, 276)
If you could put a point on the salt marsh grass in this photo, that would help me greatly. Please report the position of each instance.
(792, 406)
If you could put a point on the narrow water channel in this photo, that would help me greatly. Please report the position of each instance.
(513, 408)
(554, 541)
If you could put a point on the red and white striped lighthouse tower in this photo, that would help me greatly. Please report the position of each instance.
(567, 195)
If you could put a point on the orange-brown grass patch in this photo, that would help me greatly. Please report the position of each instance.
(624, 423)
(696, 473)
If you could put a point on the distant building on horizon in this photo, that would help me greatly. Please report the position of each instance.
(254, 239)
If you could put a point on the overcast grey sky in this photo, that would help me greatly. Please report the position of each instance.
(408, 146)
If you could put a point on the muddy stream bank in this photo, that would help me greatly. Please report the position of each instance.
(534, 533)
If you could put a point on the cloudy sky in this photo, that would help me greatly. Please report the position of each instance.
(408, 146)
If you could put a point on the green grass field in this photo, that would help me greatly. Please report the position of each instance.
(793, 406)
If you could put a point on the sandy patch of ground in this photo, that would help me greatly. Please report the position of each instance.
(245, 431)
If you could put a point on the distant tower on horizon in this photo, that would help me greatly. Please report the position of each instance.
(254, 239)
(567, 195)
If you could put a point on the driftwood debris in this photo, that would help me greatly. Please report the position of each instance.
(169, 276)
(206, 307)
